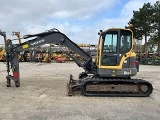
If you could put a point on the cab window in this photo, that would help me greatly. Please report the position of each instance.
(110, 42)
(125, 41)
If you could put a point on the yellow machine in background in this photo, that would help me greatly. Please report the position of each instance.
(2, 51)
(46, 54)
(47, 58)
(18, 36)
(21, 55)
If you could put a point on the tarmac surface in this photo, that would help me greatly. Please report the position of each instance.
(43, 96)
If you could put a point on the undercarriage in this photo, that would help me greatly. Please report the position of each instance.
(114, 87)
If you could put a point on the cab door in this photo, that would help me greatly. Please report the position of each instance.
(110, 48)
(116, 45)
(125, 48)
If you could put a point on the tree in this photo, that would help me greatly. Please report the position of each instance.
(156, 24)
(151, 44)
(142, 22)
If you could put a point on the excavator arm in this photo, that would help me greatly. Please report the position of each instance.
(50, 36)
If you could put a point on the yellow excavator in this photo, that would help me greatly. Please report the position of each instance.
(22, 55)
(109, 75)
(18, 36)
(2, 50)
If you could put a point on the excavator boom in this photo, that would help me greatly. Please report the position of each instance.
(50, 36)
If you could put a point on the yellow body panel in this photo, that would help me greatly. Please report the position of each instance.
(128, 54)
(25, 46)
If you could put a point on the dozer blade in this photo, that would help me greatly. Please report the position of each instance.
(111, 87)
(72, 86)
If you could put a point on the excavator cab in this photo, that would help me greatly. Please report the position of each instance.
(115, 57)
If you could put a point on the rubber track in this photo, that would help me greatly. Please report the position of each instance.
(118, 94)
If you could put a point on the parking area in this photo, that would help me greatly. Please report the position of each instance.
(42, 96)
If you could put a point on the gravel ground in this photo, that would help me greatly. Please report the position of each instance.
(42, 96)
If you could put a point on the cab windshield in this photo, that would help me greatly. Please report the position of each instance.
(110, 42)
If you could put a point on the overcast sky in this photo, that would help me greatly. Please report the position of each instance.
(80, 20)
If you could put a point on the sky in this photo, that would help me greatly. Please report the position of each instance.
(80, 20)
